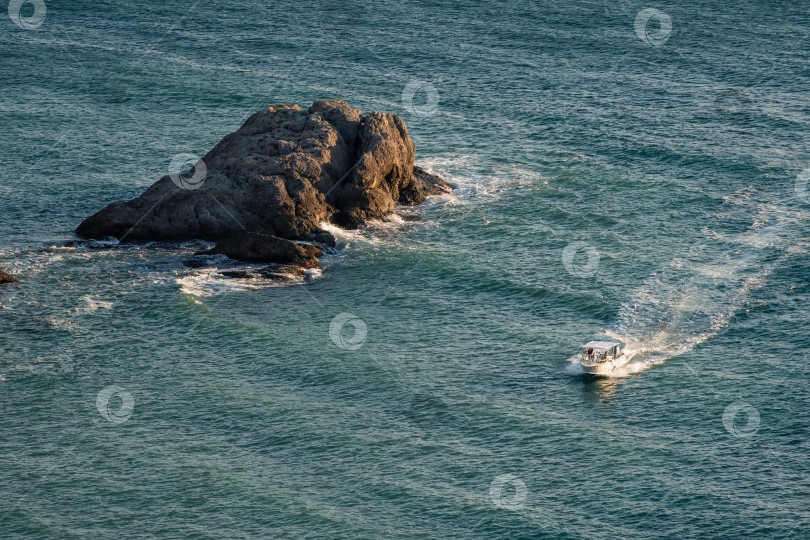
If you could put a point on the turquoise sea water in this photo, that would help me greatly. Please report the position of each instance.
(647, 185)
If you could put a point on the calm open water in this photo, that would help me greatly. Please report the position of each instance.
(640, 174)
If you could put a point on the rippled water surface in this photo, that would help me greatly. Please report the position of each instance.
(643, 181)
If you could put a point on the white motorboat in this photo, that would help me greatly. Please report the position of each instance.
(602, 357)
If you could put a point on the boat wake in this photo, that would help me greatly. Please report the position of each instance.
(691, 300)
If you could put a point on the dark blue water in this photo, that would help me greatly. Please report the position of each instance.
(644, 181)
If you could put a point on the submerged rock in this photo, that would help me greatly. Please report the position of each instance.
(266, 248)
(284, 272)
(7, 278)
(241, 274)
(423, 185)
(195, 263)
(285, 171)
(322, 239)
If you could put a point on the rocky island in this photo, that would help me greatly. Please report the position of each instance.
(263, 191)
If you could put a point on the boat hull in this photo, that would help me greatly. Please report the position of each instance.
(602, 369)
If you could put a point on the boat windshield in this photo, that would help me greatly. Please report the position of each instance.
(601, 351)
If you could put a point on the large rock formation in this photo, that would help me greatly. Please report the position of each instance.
(285, 171)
